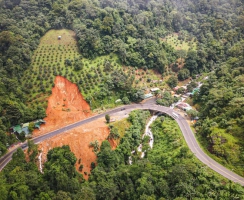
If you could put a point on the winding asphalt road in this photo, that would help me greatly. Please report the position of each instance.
(150, 105)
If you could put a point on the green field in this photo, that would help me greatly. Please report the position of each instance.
(47, 62)
(51, 59)
(58, 57)
(185, 43)
(122, 125)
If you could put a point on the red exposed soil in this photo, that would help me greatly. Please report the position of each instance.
(79, 139)
(65, 106)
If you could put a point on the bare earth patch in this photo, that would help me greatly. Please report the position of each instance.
(79, 139)
(66, 105)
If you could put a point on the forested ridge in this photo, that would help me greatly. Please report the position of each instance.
(221, 104)
(133, 30)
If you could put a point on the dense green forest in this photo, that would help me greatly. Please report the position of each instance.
(133, 31)
(168, 171)
(221, 104)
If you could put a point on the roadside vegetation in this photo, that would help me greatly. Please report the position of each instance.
(114, 50)
(220, 102)
(168, 171)
(121, 125)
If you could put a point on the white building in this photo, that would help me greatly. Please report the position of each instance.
(154, 89)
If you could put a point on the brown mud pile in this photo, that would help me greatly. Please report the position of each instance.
(66, 105)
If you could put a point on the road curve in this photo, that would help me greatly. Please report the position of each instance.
(184, 126)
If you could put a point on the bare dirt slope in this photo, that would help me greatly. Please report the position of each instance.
(79, 139)
(66, 105)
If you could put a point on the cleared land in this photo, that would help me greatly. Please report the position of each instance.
(55, 57)
(184, 43)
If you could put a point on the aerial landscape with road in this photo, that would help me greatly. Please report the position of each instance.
(104, 99)
(184, 126)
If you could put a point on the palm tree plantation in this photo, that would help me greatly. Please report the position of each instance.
(187, 55)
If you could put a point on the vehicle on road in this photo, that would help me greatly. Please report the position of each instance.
(175, 115)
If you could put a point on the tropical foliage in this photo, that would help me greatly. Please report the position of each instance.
(168, 171)
(137, 34)
(132, 31)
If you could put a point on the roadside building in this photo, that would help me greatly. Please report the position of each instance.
(25, 128)
(177, 95)
(146, 96)
(38, 123)
(176, 88)
(195, 90)
(188, 94)
(17, 129)
(184, 106)
(154, 89)
(118, 101)
(184, 87)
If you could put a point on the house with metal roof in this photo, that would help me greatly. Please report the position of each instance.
(154, 89)
(146, 96)
(25, 127)
(184, 106)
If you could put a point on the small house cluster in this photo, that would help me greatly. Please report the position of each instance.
(189, 93)
(24, 127)
(178, 87)
(151, 93)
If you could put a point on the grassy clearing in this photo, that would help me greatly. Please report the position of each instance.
(145, 79)
(58, 57)
(231, 144)
(50, 59)
(122, 125)
(180, 44)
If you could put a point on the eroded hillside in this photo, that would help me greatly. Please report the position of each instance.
(66, 105)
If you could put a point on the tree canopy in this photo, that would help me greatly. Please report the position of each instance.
(134, 31)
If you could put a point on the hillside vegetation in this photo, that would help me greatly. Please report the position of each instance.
(181, 42)
(221, 102)
(95, 78)
(169, 171)
(108, 44)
